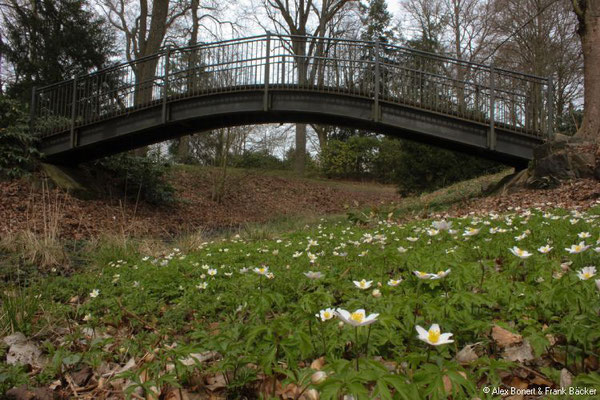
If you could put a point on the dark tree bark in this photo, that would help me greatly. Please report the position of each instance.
(588, 14)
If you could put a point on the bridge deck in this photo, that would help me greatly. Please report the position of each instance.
(393, 90)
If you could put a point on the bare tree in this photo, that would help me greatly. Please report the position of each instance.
(588, 16)
(144, 26)
(301, 18)
(539, 37)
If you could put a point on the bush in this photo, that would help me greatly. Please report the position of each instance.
(425, 168)
(414, 167)
(136, 177)
(350, 159)
(258, 160)
(18, 153)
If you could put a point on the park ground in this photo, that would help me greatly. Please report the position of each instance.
(112, 298)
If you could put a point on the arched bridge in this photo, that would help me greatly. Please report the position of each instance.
(393, 90)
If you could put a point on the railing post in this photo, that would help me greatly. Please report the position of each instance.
(166, 86)
(550, 108)
(282, 70)
(491, 140)
(32, 110)
(377, 82)
(267, 72)
(74, 112)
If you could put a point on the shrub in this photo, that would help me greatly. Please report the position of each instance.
(258, 160)
(426, 168)
(17, 146)
(136, 177)
(350, 159)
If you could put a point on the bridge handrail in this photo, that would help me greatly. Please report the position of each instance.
(374, 66)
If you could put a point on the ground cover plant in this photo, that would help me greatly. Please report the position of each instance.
(437, 308)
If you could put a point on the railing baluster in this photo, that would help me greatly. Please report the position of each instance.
(74, 112)
(492, 130)
(166, 85)
(267, 71)
(377, 78)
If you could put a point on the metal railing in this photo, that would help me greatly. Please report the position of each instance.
(513, 101)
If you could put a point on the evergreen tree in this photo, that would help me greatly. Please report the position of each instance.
(376, 26)
(47, 41)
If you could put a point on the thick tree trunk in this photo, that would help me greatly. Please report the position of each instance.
(588, 12)
(302, 62)
(300, 156)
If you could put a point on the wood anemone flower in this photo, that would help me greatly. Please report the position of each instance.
(422, 275)
(433, 336)
(522, 254)
(357, 318)
(326, 314)
(313, 275)
(586, 273)
(363, 284)
(577, 248)
(262, 270)
(440, 274)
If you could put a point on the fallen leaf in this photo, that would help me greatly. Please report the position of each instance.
(519, 353)
(566, 379)
(318, 363)
(504, 337)
(467, 354)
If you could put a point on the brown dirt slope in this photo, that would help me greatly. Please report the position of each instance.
(251, 197)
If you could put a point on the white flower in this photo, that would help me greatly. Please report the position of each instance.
(313, 275)
(262, 270)
(297, 254)
(471, 232)
(87, 317)
(523, 254)
(363, 284)
(326, 314)
(520, 237)
(432, 232)
(311, 257)
(394, 282)
(318, 377)
(442, 225)
(357, 318)
(94, 293)
(412, 239)
(376, 293)
(212, 272)
(243, 270)
(545, 249)
(597, 283)
(433, 335)
(577, 248)
(202, 285)
(269, 275)
(586, 273)
(422, 275)
(402, 249)
(584, 235)
(440, 274)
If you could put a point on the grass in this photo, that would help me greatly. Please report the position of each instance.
(159, 308)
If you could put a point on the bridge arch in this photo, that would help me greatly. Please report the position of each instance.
(497, 114)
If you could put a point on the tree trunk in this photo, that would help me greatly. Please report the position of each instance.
(302, 62)
(588, 13)
(300, 156)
